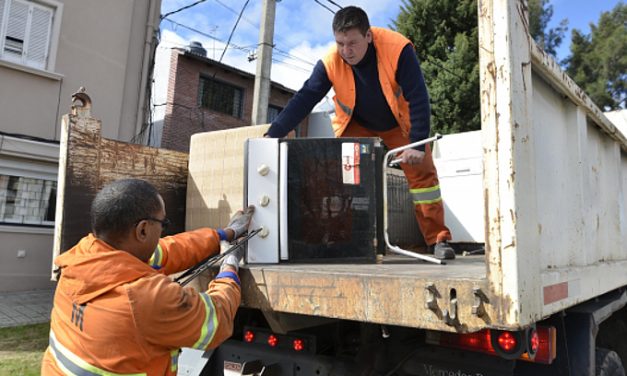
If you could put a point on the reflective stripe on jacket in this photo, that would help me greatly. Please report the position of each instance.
(115, 315)
(388, 45)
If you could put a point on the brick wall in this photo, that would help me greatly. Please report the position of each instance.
(184, 116)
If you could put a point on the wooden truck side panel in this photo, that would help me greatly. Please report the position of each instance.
(88, 161)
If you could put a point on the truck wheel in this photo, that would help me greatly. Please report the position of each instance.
(608, 363)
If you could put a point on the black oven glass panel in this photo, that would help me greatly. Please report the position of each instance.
(334, 206)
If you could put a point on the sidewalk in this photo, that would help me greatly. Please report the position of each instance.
(25, 307)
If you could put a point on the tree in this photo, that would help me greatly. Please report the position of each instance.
(540, 14)
(444, 34)
(445, 37)
(598, 61)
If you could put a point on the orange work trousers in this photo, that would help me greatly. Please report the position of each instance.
(422, 180)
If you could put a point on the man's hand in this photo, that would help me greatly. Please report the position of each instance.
(240, 221)
(412, 156)
(231, 262)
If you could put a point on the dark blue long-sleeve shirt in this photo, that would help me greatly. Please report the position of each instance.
(371, 108)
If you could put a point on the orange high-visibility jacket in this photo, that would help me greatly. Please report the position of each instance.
(116, 315)
(389, 45)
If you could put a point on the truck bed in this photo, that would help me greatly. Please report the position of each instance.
(394, 292)
(393, 266)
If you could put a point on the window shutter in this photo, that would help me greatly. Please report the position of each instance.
(2, 6)
(37, 48)
(16, 30)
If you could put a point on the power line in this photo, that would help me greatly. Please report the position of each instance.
(296, 57)
(324, 6)
(244, 49)
(293, 57)
(192, 29)
(233, 31)
(257, 27)
(236, 12)
(182, 46)
(247, 50)
(336, 4)
(183, 8)
(293, 66)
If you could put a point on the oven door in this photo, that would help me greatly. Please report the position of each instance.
(328, 199)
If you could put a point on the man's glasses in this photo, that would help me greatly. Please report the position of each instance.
(164, 222)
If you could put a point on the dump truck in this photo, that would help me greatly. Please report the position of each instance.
(546, 296)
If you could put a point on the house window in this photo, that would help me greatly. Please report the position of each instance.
(273, 112)
(25, 31)
(27, 201)
(220, 96)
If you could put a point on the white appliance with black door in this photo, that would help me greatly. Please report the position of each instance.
(317, 200)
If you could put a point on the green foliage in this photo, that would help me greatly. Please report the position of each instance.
(598, 61)
(22, 348)
(444, 34)
(540, 14)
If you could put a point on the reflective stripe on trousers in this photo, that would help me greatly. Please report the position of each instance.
(72, 364)
(428, 195)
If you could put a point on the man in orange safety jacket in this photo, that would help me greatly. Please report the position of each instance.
(379, 92)
(116, 312)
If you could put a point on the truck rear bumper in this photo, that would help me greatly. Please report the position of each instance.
(233, 355)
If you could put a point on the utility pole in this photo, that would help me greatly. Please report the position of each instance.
(261, 93)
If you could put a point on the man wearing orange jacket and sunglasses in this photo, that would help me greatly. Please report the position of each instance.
(116, 312)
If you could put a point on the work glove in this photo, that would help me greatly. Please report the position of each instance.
(233, 259)
(240, 221)
(239, 224)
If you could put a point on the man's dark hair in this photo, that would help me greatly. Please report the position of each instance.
(351, 17)
(120, 205)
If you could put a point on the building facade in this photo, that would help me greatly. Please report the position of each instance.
(48, 50)
(204, 95)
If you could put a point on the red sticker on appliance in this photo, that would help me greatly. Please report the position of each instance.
(350, 163)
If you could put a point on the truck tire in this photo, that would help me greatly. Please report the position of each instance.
(608, 363)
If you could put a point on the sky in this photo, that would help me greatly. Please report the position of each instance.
(580, 13)
(303, 29)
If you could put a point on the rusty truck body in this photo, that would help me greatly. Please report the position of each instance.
(547, 297)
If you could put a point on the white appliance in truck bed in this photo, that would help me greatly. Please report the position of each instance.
(458, 159)
(316, 199)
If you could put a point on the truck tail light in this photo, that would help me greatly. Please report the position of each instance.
(273, 340)
(534, 345)
(292, 342)
(298, 344)
(534, 341)
(507, 344)
(546, 340)
(507, 341)
(249, 336)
